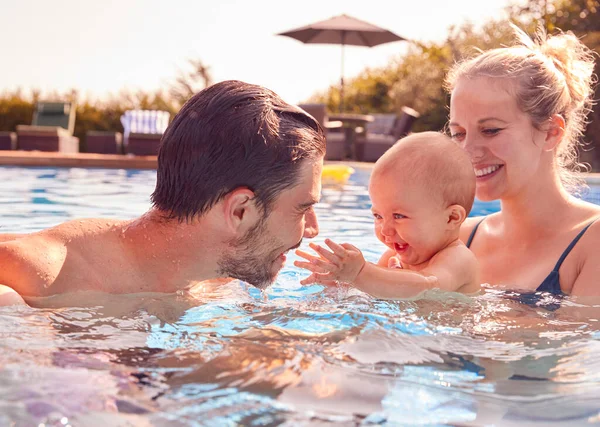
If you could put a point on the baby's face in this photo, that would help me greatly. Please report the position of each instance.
(408, 219)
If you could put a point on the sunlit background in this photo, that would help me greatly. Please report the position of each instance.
(102, 47)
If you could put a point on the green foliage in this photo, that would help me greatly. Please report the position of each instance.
(17, 107)
(582, 17)
(415, 79)
(189, 83)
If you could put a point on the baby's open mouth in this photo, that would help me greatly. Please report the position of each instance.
(400, 247)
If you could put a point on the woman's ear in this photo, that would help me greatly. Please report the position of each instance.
(240, 212)
(555, 130)
(456, 215)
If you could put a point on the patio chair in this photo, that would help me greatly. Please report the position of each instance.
(334, 134)
(51, 129)
(8, 140)
(143, 130)
(104, 142)
(383, 132)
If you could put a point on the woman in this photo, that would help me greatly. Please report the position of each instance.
(518, 112)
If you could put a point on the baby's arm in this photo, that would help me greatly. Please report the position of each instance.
(342, 263)
(346, 263)
(453, 269)
(388, 255)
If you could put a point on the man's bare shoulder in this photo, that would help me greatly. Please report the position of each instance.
(32, 262)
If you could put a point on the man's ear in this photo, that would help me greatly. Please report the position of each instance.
(240, 212)
(555, 130)
(455, 215)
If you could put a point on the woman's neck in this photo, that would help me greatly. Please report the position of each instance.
(541, 205)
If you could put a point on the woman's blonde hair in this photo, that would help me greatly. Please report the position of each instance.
(551, 75)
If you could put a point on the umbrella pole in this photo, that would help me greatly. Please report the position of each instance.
(342, 74)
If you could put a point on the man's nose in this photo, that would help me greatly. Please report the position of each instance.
(311, 225)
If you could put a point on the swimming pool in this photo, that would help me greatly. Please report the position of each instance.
(290, 356)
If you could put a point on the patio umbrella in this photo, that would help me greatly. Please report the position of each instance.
(343, 30)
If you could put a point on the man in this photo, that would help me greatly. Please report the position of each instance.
(239, 171)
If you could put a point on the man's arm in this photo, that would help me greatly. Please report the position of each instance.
(9, 296)
(7, 237)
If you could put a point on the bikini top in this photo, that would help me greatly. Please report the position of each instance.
(551, 283)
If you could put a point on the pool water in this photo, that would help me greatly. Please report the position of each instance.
(292, 355)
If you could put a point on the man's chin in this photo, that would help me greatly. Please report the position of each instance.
(264, 283)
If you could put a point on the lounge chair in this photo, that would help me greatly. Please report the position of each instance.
(51, 129)
(8, 141)
(334, 134)
(383, 132)
(104, 142)
(143, 131)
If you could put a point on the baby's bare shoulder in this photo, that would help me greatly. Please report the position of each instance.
(459, 265)
(455, 252)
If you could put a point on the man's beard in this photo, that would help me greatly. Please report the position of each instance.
(247, 261)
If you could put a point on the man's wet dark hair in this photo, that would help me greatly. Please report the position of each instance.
(230, 135)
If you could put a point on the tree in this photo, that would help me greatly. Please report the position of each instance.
(191, 82)
(416, 78)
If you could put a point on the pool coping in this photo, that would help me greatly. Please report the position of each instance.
(81, 160)
(120, 161)
(93, 160)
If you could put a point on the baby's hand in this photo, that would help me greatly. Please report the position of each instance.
(343, 262)
(394, 262)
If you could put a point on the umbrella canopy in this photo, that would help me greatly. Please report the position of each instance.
(343, 30)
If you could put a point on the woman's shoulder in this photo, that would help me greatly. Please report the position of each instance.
(591, 236)
(469, 225)
(585, 268)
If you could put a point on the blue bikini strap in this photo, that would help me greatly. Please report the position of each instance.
(473, 233)
(572, 245)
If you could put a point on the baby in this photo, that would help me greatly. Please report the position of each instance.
(421, 190)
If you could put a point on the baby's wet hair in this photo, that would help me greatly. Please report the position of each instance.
(435, 163)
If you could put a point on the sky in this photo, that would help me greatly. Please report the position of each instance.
(101, 47)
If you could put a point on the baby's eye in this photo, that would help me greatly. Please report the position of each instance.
(398, 216)
(376, 216)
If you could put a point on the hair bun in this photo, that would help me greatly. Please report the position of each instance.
(573, 59)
